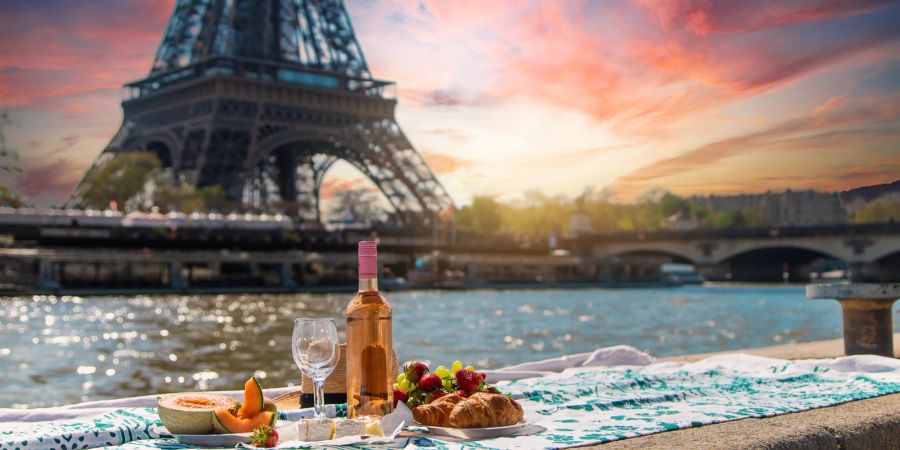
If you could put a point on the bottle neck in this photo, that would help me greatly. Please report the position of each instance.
(368, 284)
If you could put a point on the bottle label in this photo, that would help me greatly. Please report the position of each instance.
(368, 260)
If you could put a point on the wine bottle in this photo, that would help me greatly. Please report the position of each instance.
(369, 343)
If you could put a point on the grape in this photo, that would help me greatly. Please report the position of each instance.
(472, 368)
(442, 372)
(455, 367)
(401, 378)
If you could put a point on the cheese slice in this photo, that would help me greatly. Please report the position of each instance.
(373, 427)
(349, 427)
(313, 430)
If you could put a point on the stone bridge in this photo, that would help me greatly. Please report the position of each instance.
(869, 251)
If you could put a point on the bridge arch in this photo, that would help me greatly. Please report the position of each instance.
(676, 250)
(774, 262)
(835, 249)
(887, 267)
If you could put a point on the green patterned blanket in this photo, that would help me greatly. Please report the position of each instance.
(576, 407)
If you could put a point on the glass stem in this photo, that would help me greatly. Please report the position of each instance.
(320, 399)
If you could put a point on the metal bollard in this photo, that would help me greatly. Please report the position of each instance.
(868, 327)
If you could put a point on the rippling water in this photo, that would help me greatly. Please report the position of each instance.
(58, 350)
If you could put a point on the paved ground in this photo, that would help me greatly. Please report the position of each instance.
(863, 424)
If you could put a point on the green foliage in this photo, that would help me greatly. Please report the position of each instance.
(539, 215)
(9, 198)
(9, 164)
(670, 204)
(879, 211)
(118, 179)
(483, 215)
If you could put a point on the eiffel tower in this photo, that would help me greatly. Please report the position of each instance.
(262, 97)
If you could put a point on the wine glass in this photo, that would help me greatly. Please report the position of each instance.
(316, 352)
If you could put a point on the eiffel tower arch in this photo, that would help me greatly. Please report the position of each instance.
(262, 97)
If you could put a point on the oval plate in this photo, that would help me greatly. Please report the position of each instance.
(478, 433)
(213, 440)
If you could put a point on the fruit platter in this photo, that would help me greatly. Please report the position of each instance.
(215, 420)
(457, 402)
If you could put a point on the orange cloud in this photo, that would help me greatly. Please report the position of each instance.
(844, 128)
(442, 163)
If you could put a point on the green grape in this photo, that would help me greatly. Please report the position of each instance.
(401, 378)
(472, 368)
(455, 367)
(404, 386)
(442, 372)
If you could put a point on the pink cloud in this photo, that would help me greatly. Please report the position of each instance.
(67, 50)
(48, 179)
(701, 17)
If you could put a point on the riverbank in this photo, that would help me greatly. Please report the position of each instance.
(864, 424)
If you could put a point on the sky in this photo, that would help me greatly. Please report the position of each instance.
(507, 96)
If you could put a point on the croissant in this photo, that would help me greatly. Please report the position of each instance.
(483, 410)
(437, 413)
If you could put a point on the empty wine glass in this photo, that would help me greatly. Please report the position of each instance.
(316, 353)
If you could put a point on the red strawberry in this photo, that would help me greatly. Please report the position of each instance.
(399, 396)
(463, 393)
(429, 381)
(467, 380)
(264, 436)
(414, 370)
(438, 394)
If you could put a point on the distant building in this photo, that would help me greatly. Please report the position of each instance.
(782, 209)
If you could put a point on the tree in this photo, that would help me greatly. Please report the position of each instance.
(671, 204)
(357, 205)
(483, 215)
(9, 165)
(118, 179)
(879, 211)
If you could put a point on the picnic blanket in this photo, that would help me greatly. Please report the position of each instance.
(570, 401)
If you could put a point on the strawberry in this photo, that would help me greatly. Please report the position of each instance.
(438, 394)
(414, 370)
(467, 380)
(463, 393)
(264, 436)
(399, 396)
(430, 381)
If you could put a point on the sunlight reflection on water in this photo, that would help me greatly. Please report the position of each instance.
(57, 350)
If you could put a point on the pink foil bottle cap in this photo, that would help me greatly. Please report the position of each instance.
(368, 259)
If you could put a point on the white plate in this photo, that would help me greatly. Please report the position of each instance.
(477, 433)
(213, 440)
(224, 440)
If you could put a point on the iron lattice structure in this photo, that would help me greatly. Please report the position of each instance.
(262, 97)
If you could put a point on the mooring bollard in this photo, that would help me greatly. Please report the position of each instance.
(868, 327)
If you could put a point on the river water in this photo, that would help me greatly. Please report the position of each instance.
(58, 350)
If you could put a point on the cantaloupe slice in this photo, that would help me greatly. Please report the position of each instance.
(253, 399)
(225, 422)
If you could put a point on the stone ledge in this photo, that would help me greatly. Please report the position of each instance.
(863, 424)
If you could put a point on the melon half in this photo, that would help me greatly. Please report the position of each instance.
(192, 412)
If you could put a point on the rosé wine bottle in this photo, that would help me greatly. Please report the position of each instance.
(369, 343)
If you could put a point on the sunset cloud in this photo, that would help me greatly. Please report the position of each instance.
(510, 95)
(442, 164)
